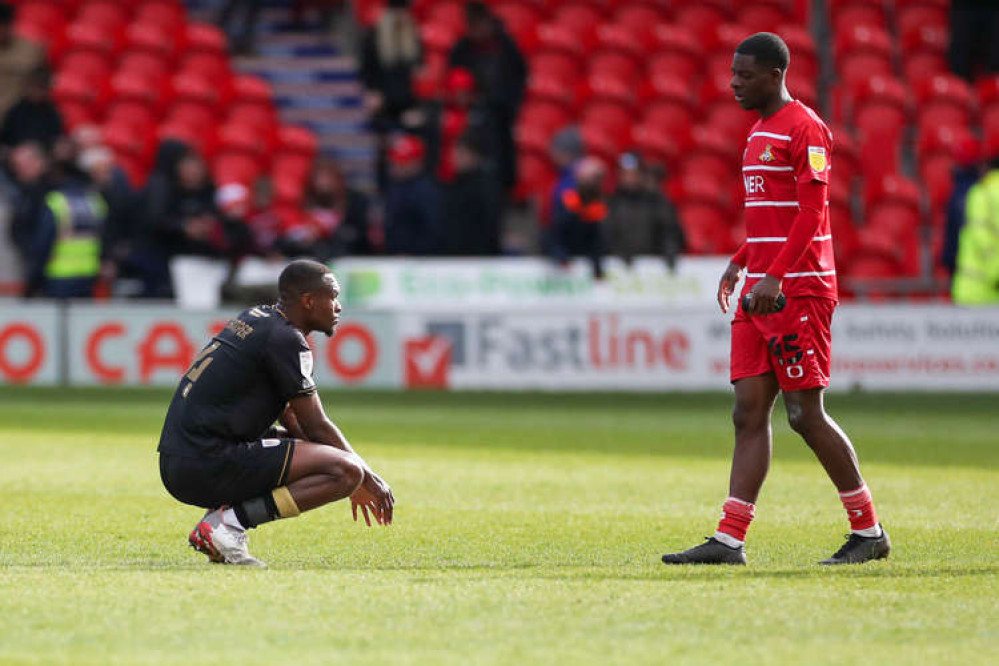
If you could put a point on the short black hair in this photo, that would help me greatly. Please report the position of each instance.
(767, 48)
(476, 10)
(302, 276)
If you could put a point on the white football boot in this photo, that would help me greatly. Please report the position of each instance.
(224, 544)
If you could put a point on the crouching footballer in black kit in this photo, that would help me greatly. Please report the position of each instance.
(220, 449)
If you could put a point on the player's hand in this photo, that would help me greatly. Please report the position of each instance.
(763, 296)
(375, 498)
(726, 285)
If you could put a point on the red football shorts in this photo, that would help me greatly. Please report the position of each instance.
(795, 344)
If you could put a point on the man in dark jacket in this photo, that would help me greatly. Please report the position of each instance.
(473, 204)
(412, 202)
(34, 117)
(488, 51)
(579, 216)
(641, 219)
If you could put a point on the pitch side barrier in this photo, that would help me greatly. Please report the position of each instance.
(575, 347)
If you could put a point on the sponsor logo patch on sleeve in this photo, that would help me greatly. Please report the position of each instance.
(305, 363)
(817, 158)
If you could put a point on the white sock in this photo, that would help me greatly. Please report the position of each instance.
(728, 540)
(229, 518)
(874, 532)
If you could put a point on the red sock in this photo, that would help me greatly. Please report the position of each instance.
(859, 508)
(737, 514)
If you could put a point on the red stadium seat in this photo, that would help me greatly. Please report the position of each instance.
(88, 65)
(70, 87)
(892, 189)
(558, 38)
(185, 134)
(532, 139)
(921, 64)
(134, 88)
(249, 89)
(625, 41)
(639, 19)
(112, 15)
(762, 16)
(262, 120)
(870, 14)
(581, 19)
(988, 90)
(700, 18)
(917, 18)
(295, 167)
(196, 89)
(602, 143)
(245, 139)
(557, 65)
(948, 98)
(804, 56)
(706, 229)
(170, 15)
(731, 121)
(861, 38)
(294, 140)
(936, 173)
(198, 117)
(145, 64)
(236, 168)
(535, 179)
(615, 65)
(677, 51)
(151, 38)
(550, 117)
(205, 38)
(616, 119)
(546, 88)
(855, 68)
(91, 37)
(212, 65)
(450, 13)
(657, 146)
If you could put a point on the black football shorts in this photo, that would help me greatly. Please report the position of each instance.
(230, 474)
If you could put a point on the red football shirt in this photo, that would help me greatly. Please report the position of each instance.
(789, 148)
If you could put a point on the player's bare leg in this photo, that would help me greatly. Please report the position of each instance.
(754, 403)
(807, 416)
(751, 416)
(322, 474)
(317, 475)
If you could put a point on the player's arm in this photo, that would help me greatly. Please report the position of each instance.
(730, 278)
(373, 492)
(811, 202)
(289, 422)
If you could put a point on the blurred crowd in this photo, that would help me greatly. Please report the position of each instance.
(445, 186)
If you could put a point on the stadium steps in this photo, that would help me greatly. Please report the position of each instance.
(315, 85)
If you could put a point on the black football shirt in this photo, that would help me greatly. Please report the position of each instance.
(238, 384)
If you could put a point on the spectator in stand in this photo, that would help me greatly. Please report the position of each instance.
(412, 201)
(473, 204)
(566, 149)
(18, 59)
(243, 38)
(974, 26)
(976, 280)
(34, 117)
(641, 220)
(390, 54)
(579, 216)
(29, 168)
(460, 114)
(488, 51)
(63, 242)
(335, 219)
(191, 224)
(234, 203)
(967, 171)
(120, 235)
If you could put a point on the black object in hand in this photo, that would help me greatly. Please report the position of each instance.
(778, 304)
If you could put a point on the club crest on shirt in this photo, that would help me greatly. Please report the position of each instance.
(767, 155)
(817, 158)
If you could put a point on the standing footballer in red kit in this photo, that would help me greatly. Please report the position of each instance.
(781, 339)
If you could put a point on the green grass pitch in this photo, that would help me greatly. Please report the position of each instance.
(528, 531)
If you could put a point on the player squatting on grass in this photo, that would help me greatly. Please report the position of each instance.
(219, 448)
(783, 347)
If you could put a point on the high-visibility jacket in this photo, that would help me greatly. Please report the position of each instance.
(79, 219)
